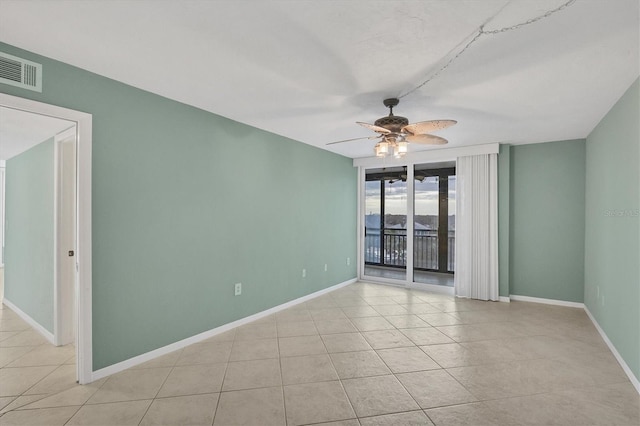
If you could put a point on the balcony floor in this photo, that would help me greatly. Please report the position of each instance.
(422, 277)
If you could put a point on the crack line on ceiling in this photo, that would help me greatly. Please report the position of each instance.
(479, 33)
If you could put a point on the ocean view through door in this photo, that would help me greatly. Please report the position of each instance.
(387, 249)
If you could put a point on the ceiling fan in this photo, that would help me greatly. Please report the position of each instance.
(403, 177)
(395, 132)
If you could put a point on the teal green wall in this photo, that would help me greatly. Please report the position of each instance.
(504, 181)
(29, 239)
(612, 238)
(546, 221)
(186, 203)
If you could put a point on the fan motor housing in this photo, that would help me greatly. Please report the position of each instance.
(393, 123)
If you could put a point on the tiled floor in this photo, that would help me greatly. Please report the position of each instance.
(362, 355)
(422, 277)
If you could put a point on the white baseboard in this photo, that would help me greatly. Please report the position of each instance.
(505, 299)
(137, 360)
(546, 301)
(634, 380)
(26, 318)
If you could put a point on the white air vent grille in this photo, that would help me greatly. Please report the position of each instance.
(20, 72)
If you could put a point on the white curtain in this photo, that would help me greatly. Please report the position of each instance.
(476, 274)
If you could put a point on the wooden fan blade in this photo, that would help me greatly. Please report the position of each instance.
(423, 127)
(373, 127)
(426, 139)
(354, 139)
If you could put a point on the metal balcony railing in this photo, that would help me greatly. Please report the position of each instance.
(394, 241)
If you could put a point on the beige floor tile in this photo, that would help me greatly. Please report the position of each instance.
(351, 422)
(387, 310)
(4, 335)
(421, 308)
(193, 379)
(409, 418)
(406, 321)
(193, 410)
(326, 314)
(44, 416)
(379, 300)
(24, 338)
(4, 401)
(454, 355)
(245, 350)
(293, 315)
(168, 360)
(15, 381)
(115, 413)
(252, 374)
(372, 323)
(348, 302)
(321, 302)
(21, 401)
(470, 414)
(347, 342)
(10, 324)
(405, 360)
(360, 311)
(435, 388)
(372, 396)
(63, 377)
(205, 353)
(358, 364)
(45, 355)
(527, 410)
(251, 407)
(600, 367)
(301, 345)
(131, 385)
(426, 336)
(316, 402)
(76, 395)
(10, 354)
(256, 331)
(335, 326)
(611, 404)
(519, 378)
(384, 339)
(307, 369)
(300, 328)
(440, 319)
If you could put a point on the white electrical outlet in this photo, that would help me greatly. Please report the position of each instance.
(238, 289)
(348, 261)
(304, 273)
(326, 267)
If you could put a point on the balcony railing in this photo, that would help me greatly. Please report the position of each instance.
(425, 248)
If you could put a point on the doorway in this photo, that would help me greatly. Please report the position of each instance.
(72, 224)
(408, 237)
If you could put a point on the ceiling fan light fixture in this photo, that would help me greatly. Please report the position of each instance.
(402, 148)
(382, 149)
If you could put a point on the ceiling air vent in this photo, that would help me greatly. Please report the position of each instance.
(20, 72)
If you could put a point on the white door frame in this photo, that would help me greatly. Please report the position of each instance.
(65, 238)
(84, 356)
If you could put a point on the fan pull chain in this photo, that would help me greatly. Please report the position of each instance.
(479, 33)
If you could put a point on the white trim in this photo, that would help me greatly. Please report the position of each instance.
(505, 299)
(137, 360)
(634, 380)
(428, 156)
(61, 304)
(546, 301)
(26, 318)
(84, 348)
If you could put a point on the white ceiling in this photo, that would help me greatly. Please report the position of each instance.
(20, 130)
(310, 69)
